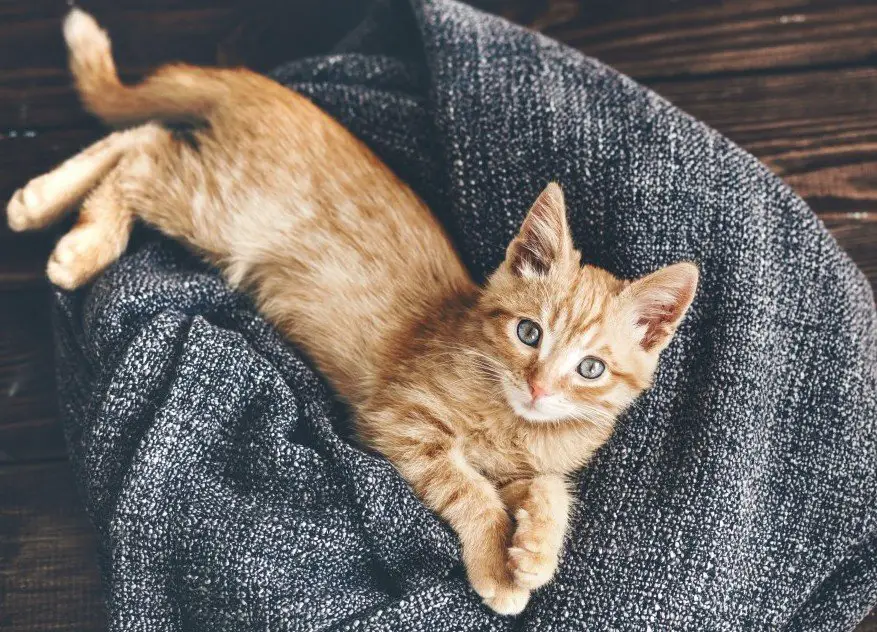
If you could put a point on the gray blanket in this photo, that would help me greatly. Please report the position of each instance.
(740, 494)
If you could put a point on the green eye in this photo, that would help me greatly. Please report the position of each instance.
(591, 368)
(529, 332)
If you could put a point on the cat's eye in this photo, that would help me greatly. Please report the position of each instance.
(529, 332)
(591, 368)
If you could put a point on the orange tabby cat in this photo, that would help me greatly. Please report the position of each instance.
(484, 398)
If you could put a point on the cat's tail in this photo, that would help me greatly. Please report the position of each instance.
(177, 93)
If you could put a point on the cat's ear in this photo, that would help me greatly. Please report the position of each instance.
(544, 238)
(657, 303)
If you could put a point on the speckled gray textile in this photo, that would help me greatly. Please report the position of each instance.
(741, 494)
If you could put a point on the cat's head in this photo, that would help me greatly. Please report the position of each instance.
(563, 341)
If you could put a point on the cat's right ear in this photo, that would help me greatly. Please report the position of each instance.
(544, 239)
(657, 303)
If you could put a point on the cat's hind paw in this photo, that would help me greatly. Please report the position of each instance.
(41, 202)
(80, 256)
(24, 210)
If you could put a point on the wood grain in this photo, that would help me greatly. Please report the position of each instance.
(23, 261)
(675, 38)
(31, 46)
(27, 381)
(35, 87)
(649, 40)
(869, 624)
(857, 234)
(817, 130)
(48, 572)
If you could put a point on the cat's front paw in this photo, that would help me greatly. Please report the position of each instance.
(501, 594)
(533, 556)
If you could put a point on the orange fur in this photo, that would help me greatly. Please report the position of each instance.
(348, 263)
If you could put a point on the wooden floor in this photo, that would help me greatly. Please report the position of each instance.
(792, 81)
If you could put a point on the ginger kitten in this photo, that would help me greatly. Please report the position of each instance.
(484, 398)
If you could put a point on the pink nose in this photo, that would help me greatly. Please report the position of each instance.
(537, 389)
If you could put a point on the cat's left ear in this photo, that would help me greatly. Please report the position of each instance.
(544, 239)
(657, 303)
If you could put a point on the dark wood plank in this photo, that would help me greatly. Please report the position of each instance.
(28, 402)
(35, 89)
(647, 40)
(869, 624)
(669, 38)
(48, 572)
(23, 260)
(31, 45)
(857, 234)
(33, 441)
(818, 130)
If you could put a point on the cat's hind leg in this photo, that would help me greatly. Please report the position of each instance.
(47, 198)
(108, 212)
(99, 237)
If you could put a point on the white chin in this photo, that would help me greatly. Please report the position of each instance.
(529, 413)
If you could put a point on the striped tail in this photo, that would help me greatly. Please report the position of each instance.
(174, 94)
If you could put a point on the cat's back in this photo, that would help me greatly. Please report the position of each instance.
(341, 253)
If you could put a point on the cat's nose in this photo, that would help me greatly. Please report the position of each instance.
(537, 389)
